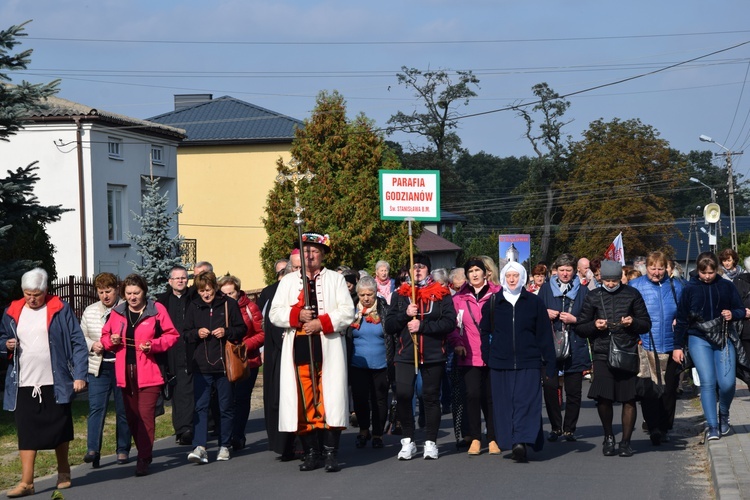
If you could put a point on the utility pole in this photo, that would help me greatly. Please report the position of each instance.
(727, 154)
(732, 220)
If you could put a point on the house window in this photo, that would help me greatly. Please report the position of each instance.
(115, 213)
(114, 147)
(157, 155)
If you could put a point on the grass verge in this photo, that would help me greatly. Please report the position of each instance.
(10, 465)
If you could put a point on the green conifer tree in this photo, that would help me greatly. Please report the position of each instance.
(159, 250)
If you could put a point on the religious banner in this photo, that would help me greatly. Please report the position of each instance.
(410, 194)
(515, 247)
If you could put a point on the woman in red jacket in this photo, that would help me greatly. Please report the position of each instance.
(137, 330)
(231, 286)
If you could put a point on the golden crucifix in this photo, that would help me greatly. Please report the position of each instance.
(295, 177)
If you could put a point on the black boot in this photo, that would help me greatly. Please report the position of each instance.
(331, 449)
(311, 445)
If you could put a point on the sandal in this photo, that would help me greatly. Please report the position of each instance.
(63, 480)
(21, 490)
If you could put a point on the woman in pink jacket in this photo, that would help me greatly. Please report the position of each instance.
(136, 331)
(466, 342)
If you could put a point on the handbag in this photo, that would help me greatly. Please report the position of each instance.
(562, 339)
(562, 344)
(235, 356)
(653, 366)
(622, 357)
(715, 330)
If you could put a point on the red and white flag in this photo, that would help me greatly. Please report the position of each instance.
(615, 251)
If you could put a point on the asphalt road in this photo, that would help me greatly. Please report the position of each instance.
(562, 470)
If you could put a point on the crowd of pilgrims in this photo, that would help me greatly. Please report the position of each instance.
(484, 341)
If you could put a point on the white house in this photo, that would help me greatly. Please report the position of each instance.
(94, 162)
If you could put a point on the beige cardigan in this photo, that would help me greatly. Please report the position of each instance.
(92, 322)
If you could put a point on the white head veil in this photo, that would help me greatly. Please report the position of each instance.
(512, 295)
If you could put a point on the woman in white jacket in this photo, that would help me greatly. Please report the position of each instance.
(102, 383)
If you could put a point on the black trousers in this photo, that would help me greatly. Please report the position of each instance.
(432, 375)
(572, 383)
(370, 395)
(478, 401)
(659, 413)
(183, 401)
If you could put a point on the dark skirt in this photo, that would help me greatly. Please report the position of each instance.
(42, 425)
(614, 385)
(517, 407)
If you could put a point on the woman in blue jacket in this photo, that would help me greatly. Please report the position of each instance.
(706, 299)
(661, 295)
(517, 345)
(49, 363)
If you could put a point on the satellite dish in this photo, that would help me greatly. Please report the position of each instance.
(712, 213)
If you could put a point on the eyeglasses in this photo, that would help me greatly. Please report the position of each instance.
(182, 278)
(419, 266)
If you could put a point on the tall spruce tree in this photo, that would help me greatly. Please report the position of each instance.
(342, 200)
(18, 101)
(159, 250)
(24, 242)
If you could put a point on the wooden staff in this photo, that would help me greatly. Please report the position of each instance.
(413, 295)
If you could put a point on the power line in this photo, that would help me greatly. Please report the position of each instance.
(388, 42)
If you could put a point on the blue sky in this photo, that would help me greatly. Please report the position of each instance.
(280, 53)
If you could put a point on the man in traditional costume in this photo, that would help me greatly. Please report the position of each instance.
(313, 383)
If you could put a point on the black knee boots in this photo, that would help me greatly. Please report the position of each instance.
(330, 449)
(311, 445)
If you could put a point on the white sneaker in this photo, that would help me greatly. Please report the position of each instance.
(430, 450)
(198, 455)
(408, 449)
(223, 455)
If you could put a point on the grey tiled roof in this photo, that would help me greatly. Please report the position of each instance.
(229, 120)
(430, 242)
(57, 107)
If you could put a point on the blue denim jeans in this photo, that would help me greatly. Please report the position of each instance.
(715, 366)
(202, 383)
(100, 389)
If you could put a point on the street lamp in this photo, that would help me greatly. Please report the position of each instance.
(727, 154)
(713, 191)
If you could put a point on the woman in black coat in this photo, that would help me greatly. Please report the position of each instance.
(618, 311)
(211, 320)
(517, 345)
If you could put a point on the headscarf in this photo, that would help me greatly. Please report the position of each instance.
(512, 295)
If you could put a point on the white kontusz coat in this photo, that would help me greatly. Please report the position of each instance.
(334, 302)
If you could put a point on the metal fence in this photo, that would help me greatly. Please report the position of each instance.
(78, 291)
